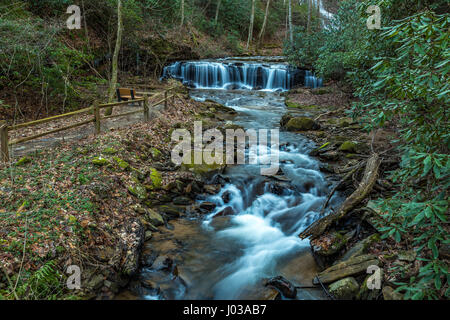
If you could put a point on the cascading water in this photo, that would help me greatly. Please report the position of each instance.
(235, 75)
(252, 233)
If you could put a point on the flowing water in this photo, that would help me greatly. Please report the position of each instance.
(226, 257)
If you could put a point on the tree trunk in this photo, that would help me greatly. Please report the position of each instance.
(252, 20)
(263, 28)
(308, 24)
(113, 83)
(217, 11)
(182, 13)
(291, 29)
(364, 188)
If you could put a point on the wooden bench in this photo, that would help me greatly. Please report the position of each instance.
(125, 94)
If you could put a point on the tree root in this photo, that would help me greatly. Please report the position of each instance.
(364, 188)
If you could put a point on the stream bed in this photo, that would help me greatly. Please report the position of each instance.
(228, 256)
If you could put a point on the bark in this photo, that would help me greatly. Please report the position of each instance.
(182, 13)
(113, 83)
(364, 188)
(308, 25)
(291, 27)
(217, 10)
(263, 28)
(252, 21)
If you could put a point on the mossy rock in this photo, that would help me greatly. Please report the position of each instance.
(110, 150)
(369, 294)
(138, 190)
(204, 169)
(156, 178)
(99, 161)
(301, 124)
(285, 119)
(156, 154)
(22, 161)
(344, 289)
(295, 105)
(122, 163)
(348, 146)
(154, 218)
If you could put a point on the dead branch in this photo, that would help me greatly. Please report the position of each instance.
(364, 188)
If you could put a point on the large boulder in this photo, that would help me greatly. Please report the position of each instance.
(344, 289)
(302, 124)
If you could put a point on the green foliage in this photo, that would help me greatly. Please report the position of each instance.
(410, 86)
(45, 283)
(400, 75)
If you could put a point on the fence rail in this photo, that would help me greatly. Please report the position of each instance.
(96, 120)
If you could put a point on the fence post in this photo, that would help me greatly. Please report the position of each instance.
(4, 141)
(97, 117)
(146, 115)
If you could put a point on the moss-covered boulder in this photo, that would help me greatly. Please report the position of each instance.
(121, 163)
(344, 289)
(285, 119)
(22, 161)
(348, 146)
(301, 124)
(154, 218)
(100, 161)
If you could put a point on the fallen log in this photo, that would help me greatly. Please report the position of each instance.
(364, 188)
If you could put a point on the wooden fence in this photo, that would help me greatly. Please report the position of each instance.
(96, 120)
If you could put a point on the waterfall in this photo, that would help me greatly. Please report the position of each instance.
(311, 81)
(240, 75)
(235, 75)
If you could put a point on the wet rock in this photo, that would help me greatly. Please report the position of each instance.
(163, 263)
(228, 211)
(147, 225)
(348, 146)
(181, 201)
(285, 119)
(330, 155)
(284, 286)
(154, 218)
(344, 289)
(226, 197)
(212, 188)
(209, 206)
(390, 294)
(302, 124)
(170, 211)
(148, 235)
(353, 266)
